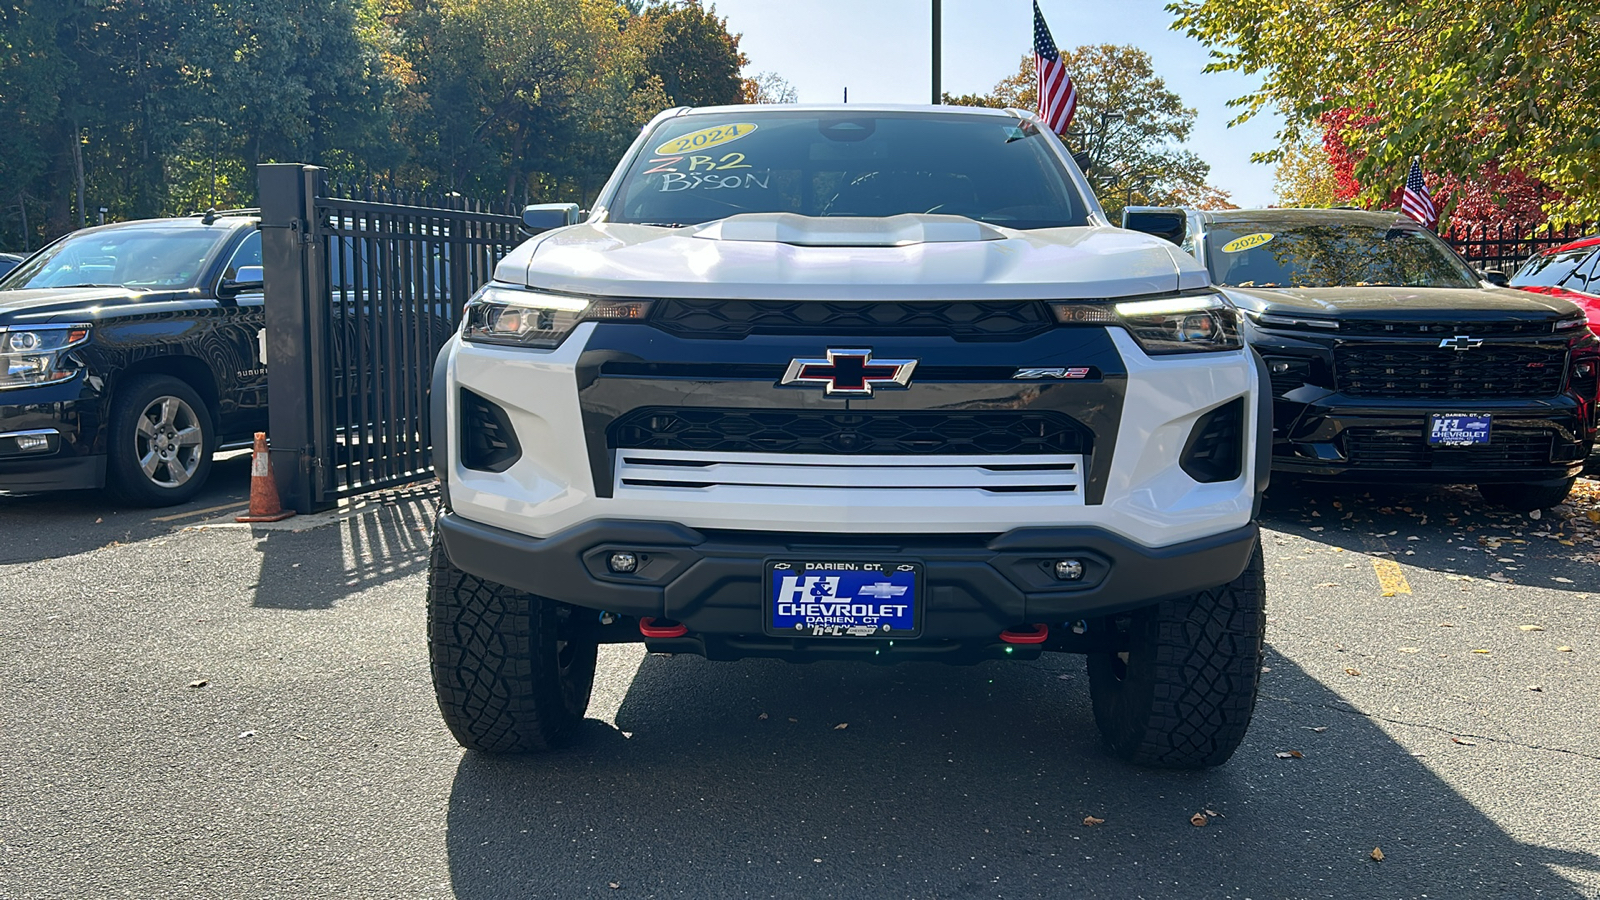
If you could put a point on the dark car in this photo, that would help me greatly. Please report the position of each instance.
(9, 261)
(1571, 272)
(131, 353)
(1391, 360)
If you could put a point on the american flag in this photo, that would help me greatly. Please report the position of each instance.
(1058, 96)
(1416, 202)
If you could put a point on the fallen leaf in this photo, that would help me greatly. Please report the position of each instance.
(1481, 651)
(1563, 649)
(199, 684)
(1530, 627)
(613, 885)
(841, 726)
(1290, 754)
(1377, 855)
(1313, 528)
(1317, 728)
(1412, 537)
(1198, 820)
(1352, 671)
(1214, 814)
(1410, 649)
(1558, 579)
(1536, 688)
(1463, 742)
(246, 734)
(1534, 514)
(1594, 515)
(1447, 624)
(793, 719)
(1328, 584)
(1092, 821)
(762, 717)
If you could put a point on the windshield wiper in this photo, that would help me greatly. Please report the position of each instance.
(86, 284)
(661, 224)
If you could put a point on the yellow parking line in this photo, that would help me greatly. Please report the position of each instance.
(197, 512)
(1391, 580)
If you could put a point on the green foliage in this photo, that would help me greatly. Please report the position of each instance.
(165, 107)
(1129, 122)
(1509, 83)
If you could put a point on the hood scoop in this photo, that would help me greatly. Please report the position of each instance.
(844, 231)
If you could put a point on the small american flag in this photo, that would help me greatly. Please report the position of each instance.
(1058, 96)
(1416, 202)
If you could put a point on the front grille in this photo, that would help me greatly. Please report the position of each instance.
(887, 433)
(1409, 449)
(963, 320)
(1058, 475)
(1489, 371)
(1444, 330)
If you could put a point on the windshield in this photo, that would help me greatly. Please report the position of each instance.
(1275, 255)
(700, 168)
(1550, 269)
(147, 257)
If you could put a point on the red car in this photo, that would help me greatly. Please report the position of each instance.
(1571, 272)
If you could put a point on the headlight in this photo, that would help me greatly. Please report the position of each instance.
(1202, 323)
(31, 356)
(500, 314)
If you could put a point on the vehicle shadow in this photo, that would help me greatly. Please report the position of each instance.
(1456, 530)
(763, 779)
(66, 523)
(384, 537)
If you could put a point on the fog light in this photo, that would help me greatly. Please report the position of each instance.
(623, 563)
(28, 443)
(1069, 570)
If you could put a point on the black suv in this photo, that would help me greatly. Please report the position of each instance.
(1392, 360)
(129, 353)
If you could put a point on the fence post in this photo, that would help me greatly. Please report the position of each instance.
(294, 334)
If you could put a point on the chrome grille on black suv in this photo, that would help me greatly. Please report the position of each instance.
(1488, 371)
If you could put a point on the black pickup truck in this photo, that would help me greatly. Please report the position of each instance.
(129, 354)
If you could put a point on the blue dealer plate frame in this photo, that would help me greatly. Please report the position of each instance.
(1459, 429)
(846, 599)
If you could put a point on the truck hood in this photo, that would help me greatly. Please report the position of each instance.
(1404, 303)
(41, 305)
(781, 256)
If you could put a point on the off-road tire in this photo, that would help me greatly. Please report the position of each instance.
(125, 475)
(1526, 497)
(512, 671)
(1184, 696)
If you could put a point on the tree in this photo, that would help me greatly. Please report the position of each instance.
(1305, 176)
(769, 87)
(1128, 121)
(1513, 84)
(695, 56)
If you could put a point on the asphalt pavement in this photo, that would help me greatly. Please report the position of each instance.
(194, 709)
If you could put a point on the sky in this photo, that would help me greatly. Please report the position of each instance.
(881, 51)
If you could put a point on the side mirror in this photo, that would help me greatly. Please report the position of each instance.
(1084, 160)
(542, 217)
(1164, 222)
(247, 280)
(1495, 277)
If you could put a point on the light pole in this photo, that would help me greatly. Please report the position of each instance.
(938, 19)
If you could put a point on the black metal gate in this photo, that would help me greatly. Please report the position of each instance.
(362, 289)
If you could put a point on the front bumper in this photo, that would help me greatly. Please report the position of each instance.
(1355, 441)
(976, 585)
(68, 414)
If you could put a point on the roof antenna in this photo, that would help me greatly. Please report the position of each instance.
(847, 95)
(210, 216)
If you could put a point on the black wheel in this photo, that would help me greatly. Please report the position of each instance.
(512, 671)
(1526, 497)
(159, 442)
(1183, 694)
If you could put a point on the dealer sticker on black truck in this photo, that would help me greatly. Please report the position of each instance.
(811, 598)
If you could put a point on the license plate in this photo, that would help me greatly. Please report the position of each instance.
(844, 599)
(1457, 430)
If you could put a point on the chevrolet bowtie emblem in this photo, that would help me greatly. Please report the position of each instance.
(850, 373)
(1461, 342)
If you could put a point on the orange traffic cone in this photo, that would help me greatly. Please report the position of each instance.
(264, 505)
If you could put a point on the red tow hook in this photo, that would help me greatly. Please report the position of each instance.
(650, 629)
(1038, 635)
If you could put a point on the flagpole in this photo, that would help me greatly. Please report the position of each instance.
(938, 20)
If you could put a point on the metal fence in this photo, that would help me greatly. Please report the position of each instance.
(1507, 247)
(363, 286)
